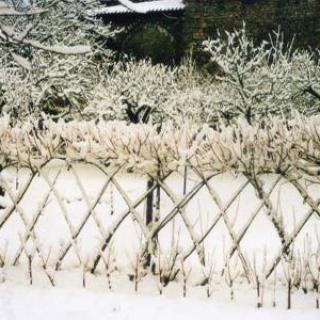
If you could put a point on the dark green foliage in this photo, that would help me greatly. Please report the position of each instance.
(152, 41)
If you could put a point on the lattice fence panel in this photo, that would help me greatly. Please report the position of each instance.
(73, 214)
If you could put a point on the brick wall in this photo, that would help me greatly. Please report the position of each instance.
(300, 17)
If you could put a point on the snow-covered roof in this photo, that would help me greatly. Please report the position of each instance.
(127, 6)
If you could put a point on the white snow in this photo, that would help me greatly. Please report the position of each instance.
(32, 303)
(23, 62)
(61, 49)
(140, 7)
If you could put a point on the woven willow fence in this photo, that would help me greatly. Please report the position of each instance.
(72, 193)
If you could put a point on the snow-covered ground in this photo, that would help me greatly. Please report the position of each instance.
(33, 303)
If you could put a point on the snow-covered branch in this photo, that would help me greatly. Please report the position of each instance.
(50, 61)
(269, 78)
(276, 147)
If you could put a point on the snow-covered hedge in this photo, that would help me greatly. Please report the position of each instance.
(273, 146)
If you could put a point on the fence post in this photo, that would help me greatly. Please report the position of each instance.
(152, 216)
(149, 207)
